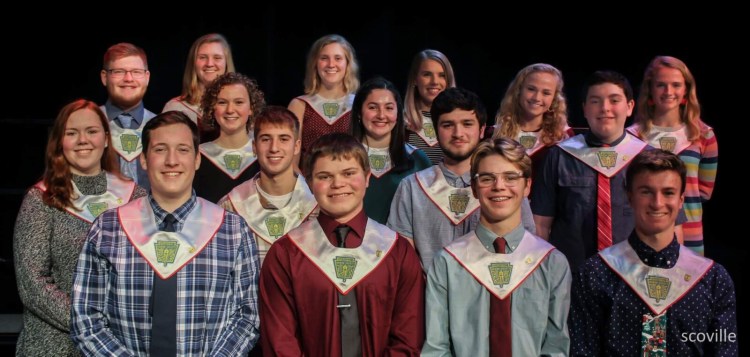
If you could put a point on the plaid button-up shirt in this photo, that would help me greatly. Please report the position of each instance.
(217, 297)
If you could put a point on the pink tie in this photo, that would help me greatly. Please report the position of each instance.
(603, 213)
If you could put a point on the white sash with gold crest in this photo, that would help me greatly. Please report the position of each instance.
(658, 288)
(501, 274)
(271, 224)
(606, 160)
(331, 110)
(669, 139)
(232, 162)
(88, 207)
(127, 142)
(168, 252)
(456, 203)
(344, 267)
(428, 132)
(380, 159)
(531, 140)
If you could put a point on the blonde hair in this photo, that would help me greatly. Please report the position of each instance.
(412, 115)
(191, 91)
(508, 148)
(690, 112)
(351, 77)
(553, 121)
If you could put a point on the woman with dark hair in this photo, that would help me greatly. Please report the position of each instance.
(229, 106)
(81, 180)
(378, 123)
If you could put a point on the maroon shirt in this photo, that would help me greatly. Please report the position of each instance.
(298, 303)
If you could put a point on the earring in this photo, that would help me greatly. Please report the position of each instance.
(683, 101)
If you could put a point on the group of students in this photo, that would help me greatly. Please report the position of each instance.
(178, 233)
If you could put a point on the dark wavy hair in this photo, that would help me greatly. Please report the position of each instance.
(57, 175)
(257, 100)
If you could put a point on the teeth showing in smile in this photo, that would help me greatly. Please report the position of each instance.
(656, 214)
(340, 195)
(171, 174)
(499, 199)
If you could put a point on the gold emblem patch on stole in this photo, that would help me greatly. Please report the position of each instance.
(344, 267)
(129, 142)
(607, 159)
(330, 109)
(500, 273)
(658, 287)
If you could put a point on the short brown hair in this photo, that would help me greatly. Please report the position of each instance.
(336, 146)
(509, 149)
(276, 116)
(655, 161)
(168, 118)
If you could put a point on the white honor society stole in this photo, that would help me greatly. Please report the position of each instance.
(455, 203)
(608, 161)
(331, 110)
(669, 139)
(658, 288)
(88, 207)
(232, 162)
(168, 252)
(427, 133)
(270, 224)
(500, 274)
(344, 267)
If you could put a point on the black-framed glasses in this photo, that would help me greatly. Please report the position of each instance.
(488, 179)
(120, 72)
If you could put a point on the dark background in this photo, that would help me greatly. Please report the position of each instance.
(53, 59)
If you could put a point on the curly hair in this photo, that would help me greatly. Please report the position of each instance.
(690, 112)
(191, 91)
(413, 116)
(57, 175)
(554, 120)
(257, 99)
(351, 77)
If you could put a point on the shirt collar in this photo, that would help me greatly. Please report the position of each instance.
(593, 141)
(357, 224)
(512, 238)
(180, 213)
(665, 258)
(113, 112)
(453, 179)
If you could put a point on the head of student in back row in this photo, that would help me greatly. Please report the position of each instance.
(209, 57)
(170, 156)
(500, 179)
(331, 62)
(125, 75)
(337, 170)
(608, 102)
(460, 118)
(276, 140)
(430, 74)
(655, 184)
(230, 103)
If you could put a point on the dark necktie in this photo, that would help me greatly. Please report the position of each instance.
(125, 120)
(350, 339)
(164, 308)
(500, 335)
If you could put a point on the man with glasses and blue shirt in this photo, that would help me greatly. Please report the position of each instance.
(125, 75)
(499, 290)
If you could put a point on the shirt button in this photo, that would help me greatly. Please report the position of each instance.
(669, 262)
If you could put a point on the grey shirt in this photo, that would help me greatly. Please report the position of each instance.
(457, 307)
(415, 216)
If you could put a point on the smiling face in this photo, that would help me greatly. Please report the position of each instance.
(339, 186)
(275, 147)
(606, 108)
(537, 94)
(332, 64)
(667, 89)
(379, 115)
(171, 162)
(656, 200)
(127, 91)
(210, 62)
(501, 201)
(232, 109)
(431, 80)
(83, 142)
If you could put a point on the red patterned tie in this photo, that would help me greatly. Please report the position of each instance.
(603, 213)
(500, 335)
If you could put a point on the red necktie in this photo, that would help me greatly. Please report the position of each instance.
(603, 213)
(500, 335)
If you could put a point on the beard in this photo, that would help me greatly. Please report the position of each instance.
(458, 156)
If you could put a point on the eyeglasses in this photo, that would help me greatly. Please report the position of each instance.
(120, 73)
(488, 179)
